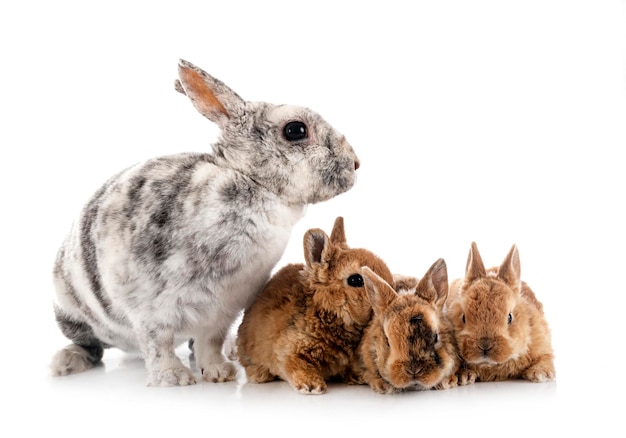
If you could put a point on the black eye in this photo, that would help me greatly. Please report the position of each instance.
(294, 131)
(415, 319)
(435, 338)
(464, 318)
(510, 319)
(355, 280)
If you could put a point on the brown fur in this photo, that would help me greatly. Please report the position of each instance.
(409, 343)
(307, 322)
(494, 345)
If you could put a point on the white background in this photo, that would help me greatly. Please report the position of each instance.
(491, 121)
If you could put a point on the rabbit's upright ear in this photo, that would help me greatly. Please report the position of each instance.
(510, 270)
(338, 235)
(433, 286)
(475, 267)
(316, 246)
(211, 97)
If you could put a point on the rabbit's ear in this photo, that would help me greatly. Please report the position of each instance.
(475, 267)
(510, 269)
(316, 246)
(338, 235)
(433, 287)
(211, 97)
(380, 293)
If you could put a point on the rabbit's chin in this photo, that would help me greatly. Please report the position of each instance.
(404, 379)
(482, 360)
(413, 385)
(332, 186)
(477, 358)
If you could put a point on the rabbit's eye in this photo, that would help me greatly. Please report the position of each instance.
(464, 318)
(510, 318)
(415, 319)
(294, 131)
(355, 280)
(435, 338)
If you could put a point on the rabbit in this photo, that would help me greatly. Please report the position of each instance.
(499, 324)
(174, 248)
(305, 325)
(409, 342)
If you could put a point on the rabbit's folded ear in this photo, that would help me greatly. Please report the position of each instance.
(211, 97)
(379, 292)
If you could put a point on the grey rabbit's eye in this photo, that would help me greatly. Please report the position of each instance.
(294, 131)
(355, 280)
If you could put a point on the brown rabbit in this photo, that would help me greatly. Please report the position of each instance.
(307, 322)
(500, 327)
(409, 343)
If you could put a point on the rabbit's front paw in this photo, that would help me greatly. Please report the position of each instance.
(219, 372)
(315, 386)
(466, 377)
(307, 381)
(382, 387)
(539, 373)
(448, 382)
(179, 376)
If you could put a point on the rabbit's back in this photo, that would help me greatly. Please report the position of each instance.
(172, 233)
(268, 328)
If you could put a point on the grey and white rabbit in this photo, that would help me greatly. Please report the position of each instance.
(175, 247)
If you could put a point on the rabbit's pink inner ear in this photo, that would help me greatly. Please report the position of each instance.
(202, 95)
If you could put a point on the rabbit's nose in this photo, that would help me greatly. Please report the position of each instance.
(413, 368)
(348, 147)
(485, 344)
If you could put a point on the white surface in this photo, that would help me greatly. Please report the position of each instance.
(498, 122)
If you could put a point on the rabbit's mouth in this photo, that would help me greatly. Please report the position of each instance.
(486, 350)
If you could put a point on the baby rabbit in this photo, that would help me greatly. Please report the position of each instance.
(500, 327)
(176, 247)
(305, 325)
(409, 343)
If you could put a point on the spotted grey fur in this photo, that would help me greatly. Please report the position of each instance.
(174, 248)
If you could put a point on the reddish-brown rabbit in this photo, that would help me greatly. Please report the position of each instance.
(409, 343)
(500, 327)
(307, 322)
